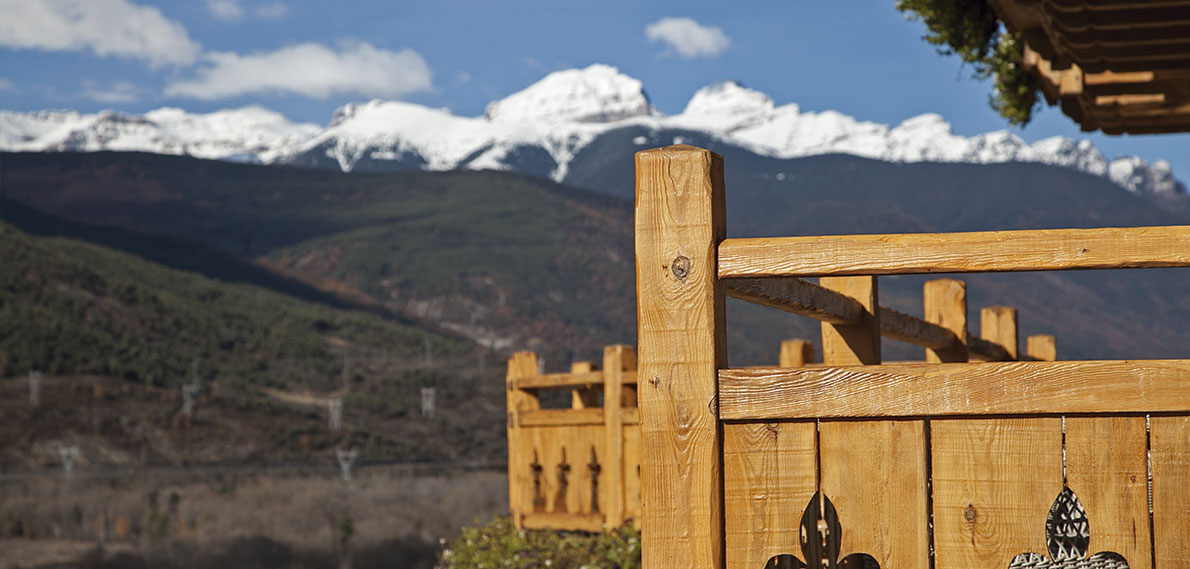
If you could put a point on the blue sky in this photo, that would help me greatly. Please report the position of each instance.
(306, 58)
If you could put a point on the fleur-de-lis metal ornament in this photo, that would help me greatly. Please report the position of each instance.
(1068, 537)
(820, 537)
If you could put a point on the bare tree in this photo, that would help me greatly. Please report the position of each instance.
(69, 455)
(427, 402)
(335, 413)
(346, 462)
(35, 388)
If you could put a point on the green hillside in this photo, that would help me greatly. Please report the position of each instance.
(94, 318)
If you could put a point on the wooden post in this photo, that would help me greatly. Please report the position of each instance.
(997, 324)
(616, 360)
(1041, 347)
(796, 353)
(680, 221)
(850, 344)
(520, 365)
(945, 303)
(583, 397)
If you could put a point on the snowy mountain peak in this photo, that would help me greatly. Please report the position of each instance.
(596, 94)
(728, 99)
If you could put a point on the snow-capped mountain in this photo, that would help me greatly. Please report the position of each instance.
(232, 134)
(542, 128)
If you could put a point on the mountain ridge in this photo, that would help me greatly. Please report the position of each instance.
(542, 128)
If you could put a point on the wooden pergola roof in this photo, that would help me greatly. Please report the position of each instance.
(1120, 66)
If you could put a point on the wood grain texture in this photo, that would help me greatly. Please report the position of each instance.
(587, 396)
(561, 417)
(679, 224)
(574, 522)
(914, 330)
(769, 477)
(997, 324)
(945, 304)
(520, 365)
(875, 473)
(559, 380)
(994, 482)
(1041, 347)
(917, 390)
(1170, 440)
(797, 296)
(984, 251)
(858, 342)
(795, 353)
(982, 350)
(616, 359)
(1107, 468)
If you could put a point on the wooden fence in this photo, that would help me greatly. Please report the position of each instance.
(944, 464)
(576, 468)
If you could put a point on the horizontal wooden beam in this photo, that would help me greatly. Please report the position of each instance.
(975, 252)
(931, 390)
(567, 380)
(908, 328)
(572, 417)
(592, 523)
(983, 350)
(799, 297)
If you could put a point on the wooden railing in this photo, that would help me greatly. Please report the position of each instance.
(858, 463)
(575, 468)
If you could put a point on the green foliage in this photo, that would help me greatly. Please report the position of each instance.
(971, 30)
(498, 545)
(76, 308)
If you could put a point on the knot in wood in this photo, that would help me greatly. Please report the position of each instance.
(970, 514)
(680, 267)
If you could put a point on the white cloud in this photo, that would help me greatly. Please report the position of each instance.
(273, 11)
(226, 10)
(121, 92)
(105, 27)
(308, 69)
(688, 37)
(6, 85)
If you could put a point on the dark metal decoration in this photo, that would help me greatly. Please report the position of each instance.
(1068, 537)
(594, 467)
(563, 482)
(821, 536)
(538, 495)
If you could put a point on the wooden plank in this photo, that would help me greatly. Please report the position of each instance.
(587, 396)
(616, 359)
(679, 223)
(907, 328)
(875, 473)
(630, 416)
(1170, 440)
(945, 304)
(985, 351)
(997, 324)
(796, 353)
(1107, 468)
(769, 478)
(632, 501)
(922, 390)
(560, 380)
(799, 297)
(994, 482)
(858, 342)
(561, 417)
(564, 521)
(520, 365)
(982, 251)
(1041, 347)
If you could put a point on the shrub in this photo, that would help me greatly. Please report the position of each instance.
(498, 545)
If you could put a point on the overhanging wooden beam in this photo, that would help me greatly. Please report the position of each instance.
(981, 251)
(932, 390)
